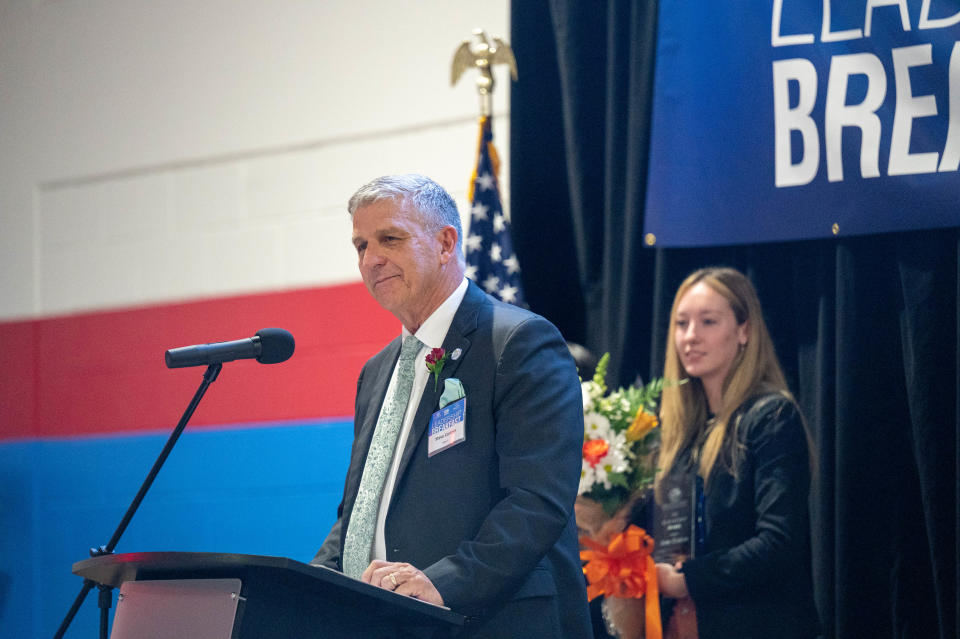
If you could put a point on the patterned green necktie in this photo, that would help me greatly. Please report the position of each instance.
(363, 519)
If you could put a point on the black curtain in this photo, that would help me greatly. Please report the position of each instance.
(866, 327)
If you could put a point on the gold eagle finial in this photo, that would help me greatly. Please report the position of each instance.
(482, 52)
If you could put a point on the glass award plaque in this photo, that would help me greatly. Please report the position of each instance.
(675, 520)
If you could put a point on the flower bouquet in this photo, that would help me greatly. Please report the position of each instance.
(620, 442)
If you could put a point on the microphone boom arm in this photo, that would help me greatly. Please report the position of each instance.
(106, 597)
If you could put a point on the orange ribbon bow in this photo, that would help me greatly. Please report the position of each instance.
(625, 568)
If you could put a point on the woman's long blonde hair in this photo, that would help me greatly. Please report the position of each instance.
(755, 370)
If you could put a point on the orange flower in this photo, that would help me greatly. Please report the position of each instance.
(642, 424)
(594, 450)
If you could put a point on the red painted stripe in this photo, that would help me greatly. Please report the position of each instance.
(104, 372)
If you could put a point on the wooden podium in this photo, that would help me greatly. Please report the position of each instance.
(214, 596)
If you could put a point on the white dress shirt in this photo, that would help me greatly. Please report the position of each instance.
(432, 333)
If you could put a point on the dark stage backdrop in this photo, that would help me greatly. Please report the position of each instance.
(866, 327)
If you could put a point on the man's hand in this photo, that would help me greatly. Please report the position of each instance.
(402, 579)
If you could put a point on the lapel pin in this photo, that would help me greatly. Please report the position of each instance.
(455, 355)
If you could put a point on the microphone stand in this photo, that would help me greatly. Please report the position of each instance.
(106, 592)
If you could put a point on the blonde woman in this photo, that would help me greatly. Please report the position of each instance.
(735, 425)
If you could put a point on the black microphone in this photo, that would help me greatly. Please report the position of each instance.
(268, 346)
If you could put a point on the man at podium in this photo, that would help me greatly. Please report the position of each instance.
(467, 437)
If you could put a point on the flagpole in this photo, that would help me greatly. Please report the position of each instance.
(490, 260)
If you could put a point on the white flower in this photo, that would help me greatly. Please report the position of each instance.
(614, 461)
(595, 425)
(592, 392)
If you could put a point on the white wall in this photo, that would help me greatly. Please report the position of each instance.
(154, 151)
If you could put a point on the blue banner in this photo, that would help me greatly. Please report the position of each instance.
(798, 119)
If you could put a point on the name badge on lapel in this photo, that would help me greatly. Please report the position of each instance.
(448, 427)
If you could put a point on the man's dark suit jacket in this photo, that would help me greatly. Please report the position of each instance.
(490, 520)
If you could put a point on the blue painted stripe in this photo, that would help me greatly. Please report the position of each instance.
(269, 490)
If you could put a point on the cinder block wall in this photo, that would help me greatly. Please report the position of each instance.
(177, 172)
(167, 151)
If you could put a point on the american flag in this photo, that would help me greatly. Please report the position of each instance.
(491, 262)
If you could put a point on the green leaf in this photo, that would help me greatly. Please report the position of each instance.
(600, 374)
(618, 479)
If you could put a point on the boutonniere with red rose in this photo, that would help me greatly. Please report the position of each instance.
(436, 358)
